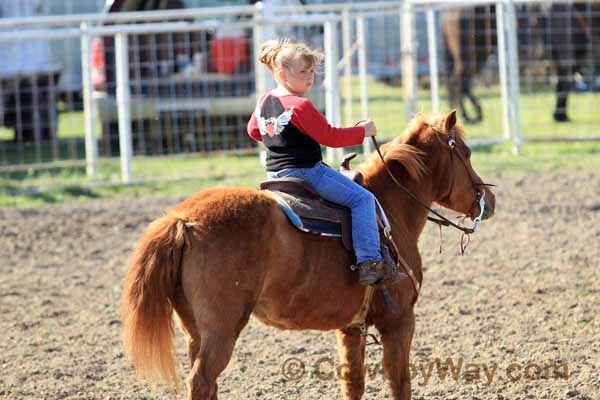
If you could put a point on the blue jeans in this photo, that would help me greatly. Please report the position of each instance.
(335, 187)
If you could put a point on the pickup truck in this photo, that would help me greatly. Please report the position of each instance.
(190, 91)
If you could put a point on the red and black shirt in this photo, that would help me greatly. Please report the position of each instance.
(293, 130)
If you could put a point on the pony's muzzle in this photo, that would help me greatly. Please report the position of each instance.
(487, 200)
(490, 204)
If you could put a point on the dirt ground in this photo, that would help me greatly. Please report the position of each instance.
(511, 315)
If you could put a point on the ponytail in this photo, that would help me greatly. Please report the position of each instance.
(269, 51)
(278, 54)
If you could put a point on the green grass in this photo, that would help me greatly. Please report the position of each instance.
(182, 176)
(162, 177)
(70, 144)
(499, 160)
(70, 125)
(386, 108)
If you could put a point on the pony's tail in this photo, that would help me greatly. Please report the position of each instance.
(147, 303)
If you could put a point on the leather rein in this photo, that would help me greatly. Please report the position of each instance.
(477, 184)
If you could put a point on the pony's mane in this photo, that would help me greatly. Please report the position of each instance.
(410, 156)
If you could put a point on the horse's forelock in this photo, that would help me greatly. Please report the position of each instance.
(438, 123)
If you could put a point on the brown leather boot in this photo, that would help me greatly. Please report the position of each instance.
(370, 273)
(392, 274)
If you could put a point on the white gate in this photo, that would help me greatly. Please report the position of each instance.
(185, 80)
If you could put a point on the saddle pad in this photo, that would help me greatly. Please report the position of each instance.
(311, 216)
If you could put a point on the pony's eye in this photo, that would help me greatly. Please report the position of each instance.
(451, 142)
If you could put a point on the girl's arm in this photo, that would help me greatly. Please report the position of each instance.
(310, 121)
(253, 130)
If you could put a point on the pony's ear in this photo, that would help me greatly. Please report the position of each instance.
(450, 121)
(409, 157)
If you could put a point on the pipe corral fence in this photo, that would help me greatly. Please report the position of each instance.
(186, 80)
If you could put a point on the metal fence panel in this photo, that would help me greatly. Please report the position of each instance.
(560, 69)
(557, 70)
(192, 89)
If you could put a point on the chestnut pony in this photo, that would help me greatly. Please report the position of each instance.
(228, 253)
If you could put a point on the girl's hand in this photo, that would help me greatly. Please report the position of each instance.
(370, 128)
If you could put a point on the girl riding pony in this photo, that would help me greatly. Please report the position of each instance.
(293, 130)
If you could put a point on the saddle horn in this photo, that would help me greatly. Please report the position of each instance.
(345, 165)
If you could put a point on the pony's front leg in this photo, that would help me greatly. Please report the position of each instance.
(396, 337)
(351, 350)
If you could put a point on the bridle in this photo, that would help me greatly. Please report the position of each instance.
(441, 220)
(476, 182)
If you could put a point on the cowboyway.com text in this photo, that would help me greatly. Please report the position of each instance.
(423, 372)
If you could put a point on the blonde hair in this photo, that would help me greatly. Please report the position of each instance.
(280, 54)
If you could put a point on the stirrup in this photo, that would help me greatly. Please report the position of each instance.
(370, 273)
(392, 274)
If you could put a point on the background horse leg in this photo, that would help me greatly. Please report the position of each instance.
(466, 94)
(454, 92)
(562, 52)
(396, 337)
(467, 68)
(563, 86)
(451, 30)
(351, 350)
